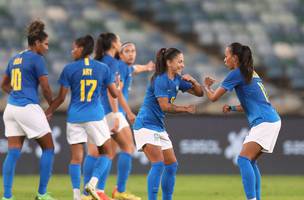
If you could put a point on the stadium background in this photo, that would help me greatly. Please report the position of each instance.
(208, 142)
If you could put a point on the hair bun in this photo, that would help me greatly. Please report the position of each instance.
(35, 27)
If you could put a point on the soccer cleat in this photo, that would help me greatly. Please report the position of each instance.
(12, 198)
(92, 191)
(86, 197)
(123, 195)
(103, 196)
(46, 196)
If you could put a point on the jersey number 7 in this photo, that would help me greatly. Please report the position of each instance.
(87, 97)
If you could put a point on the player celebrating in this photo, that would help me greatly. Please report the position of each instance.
(264, 121)
(23, 117)
(85, 78)
(124, 137)
(149, 131)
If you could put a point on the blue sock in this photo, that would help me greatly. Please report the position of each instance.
(248, 177)
(100, 167)
(257, 179)
(8, 171)
(104, 176)
(46, 166)
(75, 175)
(168, 181)
(88, 167)
(124, 166)
(153, 179)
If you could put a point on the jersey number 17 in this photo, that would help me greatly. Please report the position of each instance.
(87, 95)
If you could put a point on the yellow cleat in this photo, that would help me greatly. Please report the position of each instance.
(85, 197)
(124, 196)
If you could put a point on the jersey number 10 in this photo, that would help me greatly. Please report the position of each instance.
(87, 97)
(16, 79)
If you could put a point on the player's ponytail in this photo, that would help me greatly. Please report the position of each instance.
(87, 43)
(245, 59)
(162, 56)
(35, 31)
(103, 44)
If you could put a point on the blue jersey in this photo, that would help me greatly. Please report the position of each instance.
(252, 96)
(24, 70)
(85, 78)
(150, 115)
(113, 66)
(125, 72)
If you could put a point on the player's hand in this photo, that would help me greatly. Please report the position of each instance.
(209, 81)
(191, 109)
(48, 114)
(116, 125)
(226, 108)
(131, 117)
(150, 66)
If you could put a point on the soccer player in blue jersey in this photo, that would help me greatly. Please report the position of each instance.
(149, 130)
(124, 137)
(85, 78)
(107, 46)
(263, 119)
(23, 117)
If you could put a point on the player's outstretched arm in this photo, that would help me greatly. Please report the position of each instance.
(57, 101)
(46, 89)
(6, 84)
(212, 95)
(171, 108)
(196, 89)
(150, 66)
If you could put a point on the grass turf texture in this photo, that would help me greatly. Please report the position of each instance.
(209, 187)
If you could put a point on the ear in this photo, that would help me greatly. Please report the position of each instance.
(37, 42)
(168, 63)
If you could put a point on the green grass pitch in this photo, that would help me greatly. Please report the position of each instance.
(198, 187)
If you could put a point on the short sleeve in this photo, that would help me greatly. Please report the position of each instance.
(160, 87)
(233, 79)
(184, 85)
(40, 66)
(64, 79)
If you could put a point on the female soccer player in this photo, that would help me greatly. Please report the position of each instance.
(108, 45)
(124, 137)
(149, 131)
(85, 78)
(264, 121)
(23, 117)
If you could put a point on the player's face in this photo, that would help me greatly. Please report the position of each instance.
(128, 54)
(230, 59)
(117, 44)
(76, 51)
(43, 46)
(177, 63)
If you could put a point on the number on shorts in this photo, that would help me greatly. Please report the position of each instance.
(16, 79)
(263, 91)
(87, 97)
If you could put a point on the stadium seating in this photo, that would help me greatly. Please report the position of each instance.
(208, 26)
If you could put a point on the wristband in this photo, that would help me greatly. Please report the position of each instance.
(232, 108)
